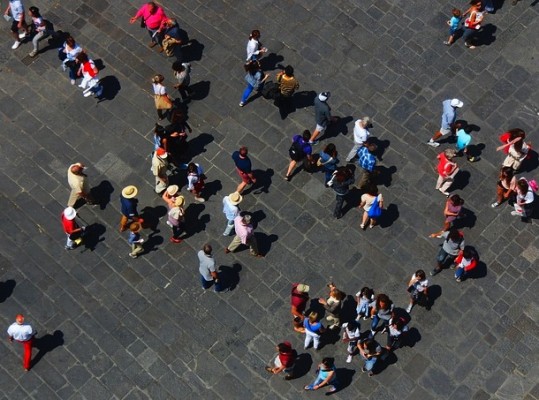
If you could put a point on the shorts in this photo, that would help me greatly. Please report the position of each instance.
(244, 176)
(320, 128)
(445, 131)
(15, 26)
(452, 31)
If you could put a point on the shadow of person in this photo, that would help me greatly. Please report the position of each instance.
(151, 216)
(263, 181)
(384, 175)
(304, 99)
(434, 292)
(486, 35)
(480, 271)
(339, 125)
(351, 200)
(257, 217)
(348, 309)
(200, 90)
(102, 193)
(381, 146)
(466, 220)
(384, 361)
(46, 344)
(92, 236)
(269, 62)
(475, 150)
(530, 163)
(461, 180)
(264, 242)
(211, 188)
(344, 377)
(57, 40)
(192, 51)
(193, 223)
(197, 145)
(230, 276)
(111, 87)
(389, 215)
(303, 365)
(99, 64)
(152, 242)
(6, 289)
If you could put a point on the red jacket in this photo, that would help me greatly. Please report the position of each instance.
(469, 267)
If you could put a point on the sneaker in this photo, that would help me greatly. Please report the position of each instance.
(433, 143)
(288, 377)
(269, 369)
(169, 224)
(33, 53)
(226, 250)
(242, 103)
(22, 35)
(132, 255)
(200, 199)
(72, 81)
(516, 213)
(16, 45)
(314, 142)
(435, 271)
(332, 389)
(444, 193)
(447, 43)
(69, 248)
(409, 308)
(472, 159)
(87, 94)
(495, 204)
(458, 279)
(82, 87)
(174, 240)
(349, 358)
(287, 178)
(362, 226)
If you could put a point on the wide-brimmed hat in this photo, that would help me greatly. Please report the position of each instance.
(70, 213)
(235, 198)
(302, 288)
(129, 191)
(135, 227)
(172, 190)
(456, 103)
(324, 96)
(180, 201)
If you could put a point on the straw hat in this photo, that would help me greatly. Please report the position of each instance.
(129, 191)
(235, 198)
(180, 201)
(172, 190)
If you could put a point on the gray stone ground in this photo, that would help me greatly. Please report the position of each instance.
(134, 329)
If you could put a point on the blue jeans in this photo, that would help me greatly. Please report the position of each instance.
(207, 284)
(443, 258)
(376, 319)
(369, 363)
(248, 90)
(460, 273)
(319, 380)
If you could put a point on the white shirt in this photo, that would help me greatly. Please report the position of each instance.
(193, 179)
(420, 286)
(17, 10)
(159, 89)
(360, 134)
(352, 335)
(22, 333)
(252, 48)
(231, 211)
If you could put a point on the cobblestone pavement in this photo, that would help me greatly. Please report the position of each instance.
(119, 328)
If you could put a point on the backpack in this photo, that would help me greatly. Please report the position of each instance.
(296, 151)
(270, 90)
(375, 210)
(532, 183)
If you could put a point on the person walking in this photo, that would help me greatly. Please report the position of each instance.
(299, 297)
(447, 170)
(244, 168)
(340, 181)
(231, 210)
(73, 231)
(367, 162)
(452, 210)
(41, 28)
(68, 55)
(300, 150)
(322, 116)
(153, 19)
(128, 204)
(135, 240)
(255, 50)
(255, 79)
(176, 219)
(16, 8)
(473, 23)
(350, 336)
(288, 84)
(244, 235)
(284, 361)
(182, 73)
(326, 376)
(24, 334)
(208, 274)
(506, 187)
(163, 102)
(89, 72)
(313, 330)
(78, 182)
(452, 244)
(361, 135)
(449, 116)
(516, 153)
(159, 170)
(328, 161)
(418, 288)
(524, 203)
(372, 203)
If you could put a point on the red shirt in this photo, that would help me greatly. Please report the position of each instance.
(297, 299)
(69, 225)
(287, 357)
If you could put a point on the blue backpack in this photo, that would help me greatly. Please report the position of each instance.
(375, 210)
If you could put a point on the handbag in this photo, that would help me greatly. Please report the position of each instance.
(142, 22)
(162, 102)
(375, 211)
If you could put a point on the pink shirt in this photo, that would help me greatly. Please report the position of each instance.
(153, 21)
(243, 231)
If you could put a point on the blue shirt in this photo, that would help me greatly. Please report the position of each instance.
(305, 146)
(463, 139)
(243, 164)
(449, 114)
(454, 23)
(129, 207)
(366, 160)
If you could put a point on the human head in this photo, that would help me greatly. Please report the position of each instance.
(366, 122)
(302, 288)
(172, 190)
(456, 12)
(158, 78)
(243, 151)
(70, 213)
(372, 147)
(475, 3)
(129, 192)
(255, 34)
(152, 7)
(77, 169)
(19, 319)
(507, 172)
(330, 149)
(420, 274)
(177, 66)
(171, 22)
(456, 200)
(159, 130)
(246, 219)
(372, 189)
(327, 362)
(179, 201)
(284, 347)
(235, 198)
(453, 234)
(252, 67)
(313, 317)
(324, 96)
(367, 292)
(192, 168)
(135, 227)
(450, 153)
(82, 57)
(289, 70)
(522, 185)
(207, 249)
(516, 132)
(70, 41)
(306, 135)
(383, 301)
(456, 102)
(369, 345)
(34, 12)
(337, 294)
(467, 253)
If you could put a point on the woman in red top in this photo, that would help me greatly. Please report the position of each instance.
(452, 209)
(284, 361)
(465, 262)
(447, 169)
(154, 18)
(473, 23)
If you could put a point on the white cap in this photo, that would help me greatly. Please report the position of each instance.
(456, 103)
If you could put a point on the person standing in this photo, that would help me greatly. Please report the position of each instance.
(89, 72)
(372, 203)
(255, 50)
(465, 262)
(128, 203)
(452, 210)
(322, 115)
(452, 244)
(41, 29)
(231, 210)
(506, 187)
(350, 336)
(328, 161)
(244, 235)
(313, 330)
(449, 116)
(341, 180)
(447, 170)
(163, 102)
(333, 305)
(288, 84)
(72, 230)
(208, 273)
(195, 181)
(284, 361)
(367, 162)
(182, 73)
(24, 334)
(361, 135)
(78, 182)
(153, 18)
(300, 150)
(169, 196)
(244, 168)
(159, 170)
(299, 296)
(524, 203)
(17, 14)
(176, 219)
(370, 350)
(134, 239)
(381, 309)
(68, 54)
(418, 287)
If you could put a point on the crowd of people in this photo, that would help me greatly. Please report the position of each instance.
(173, 170)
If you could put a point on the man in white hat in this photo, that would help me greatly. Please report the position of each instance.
(449, 116)
(322, 115)
(231, 210)
(128, 204)
(159, 169)
(72, 230)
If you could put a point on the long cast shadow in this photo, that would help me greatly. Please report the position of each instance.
(46, 344)
(6, 289)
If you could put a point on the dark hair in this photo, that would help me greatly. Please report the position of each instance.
(289, 70)
(383, 298)
(328, 362)
(456, 12)
(70, 41)
(192, 167)
(367, 292)
(456, 200)
(518, 145)
(207, 249)
(523, 186)
(331, 150)
(338, 294)
(34, 11)
(252, 67)
(453, 234)
(306, 135)
(370, 344)
(177, 66)
(152, 4)
(243, 150)
(159, 130)
(420, 274)
(507, 172)
(516, 132)
(283, 347)
(255, 34)
(372, 147)
(468, 253)
(82, 57)
(372, 189)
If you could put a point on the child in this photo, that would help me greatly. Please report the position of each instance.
(135, 240)
(363, 298)
(195, 180)
(465, 262)
(417, 287)
(453, 23)
(351, 335)
(397, 326)
(463, 140)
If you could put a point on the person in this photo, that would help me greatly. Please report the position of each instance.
(170, 194)
(244, 235)
(506, 186)
(177, 146)
(73, 231)
(364, 298)
(300, 150)
(288, 85)
(182, 73)
(68, 54)
(159, 170)
(447, 170)
(41, 29)
(333, 305)
(517, 153)
(449, 116)
(208, 273)
(341, 180)
(162, 100)
(171, 38)
(160, 138)
(452, 244)
(454, 26)
(176, 219)
(465, 262)
(350, 336)
(381, 309)
(195, 181)
(326, 376)
(153, 18)
(372, 203)
(299, 296)
(128, 203)
(322, 116)
(255, 79)
(284, 361)
(231, 210)
(417, 288)
(473, 23)
(255, 50)
(78, 182)
(396, 327)
(370, 350)
(361, 135)
(313, 330)
(328, 161)
(24, 334)
(244, 168)
(16, 8)
(524, 200)
(510, 137)
(134, 239)
(89, 72)
(463, 140)
(367, 162)
(452, 210)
